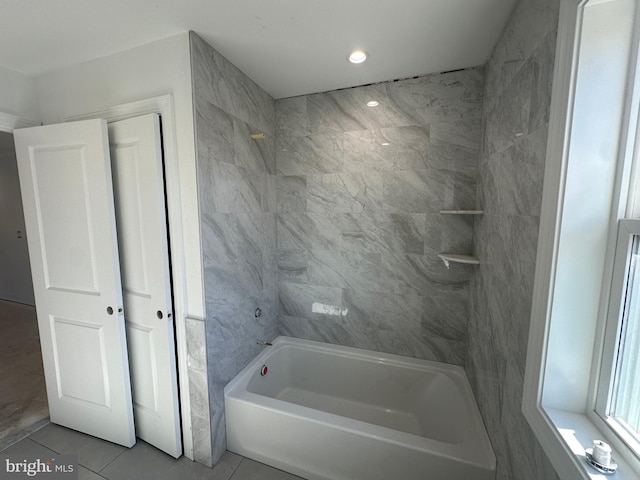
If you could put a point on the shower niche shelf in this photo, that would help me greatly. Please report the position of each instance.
(462, 212)
(448, 258)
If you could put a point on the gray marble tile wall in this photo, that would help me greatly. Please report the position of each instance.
(237, 191)
(199, 391)
(515, 125)
(359, 194)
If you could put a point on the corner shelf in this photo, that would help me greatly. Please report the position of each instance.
(462, 212)
(458, 258)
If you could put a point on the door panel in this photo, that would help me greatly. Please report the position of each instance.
(65, 179)
(130, 211)
(136, 156)
(74, 341)
(59, 215)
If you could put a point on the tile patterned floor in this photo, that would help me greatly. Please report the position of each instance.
(99, 460)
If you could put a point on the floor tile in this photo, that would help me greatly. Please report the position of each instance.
(226, 466)
(251, 470)
(28, 447)
(12, 438)
(144, 462)
(86, 474)
(92, 452)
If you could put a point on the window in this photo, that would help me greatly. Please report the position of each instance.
(616, 402)
(582, 381)
(618, 390)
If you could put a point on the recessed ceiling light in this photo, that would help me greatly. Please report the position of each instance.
(372, 103)
(358, 56)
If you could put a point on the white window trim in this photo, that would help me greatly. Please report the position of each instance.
(563, 435)
(627, 229)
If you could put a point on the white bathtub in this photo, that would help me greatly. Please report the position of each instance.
(330, 412)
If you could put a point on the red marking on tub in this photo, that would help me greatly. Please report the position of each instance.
(264, 370)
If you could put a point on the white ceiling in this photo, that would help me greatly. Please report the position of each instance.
(288, 47)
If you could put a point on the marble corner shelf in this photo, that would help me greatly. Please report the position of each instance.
(462, 212)
(448, 258)
(458, 258)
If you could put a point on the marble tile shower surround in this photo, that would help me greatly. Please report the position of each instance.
(237, 191)
(359, 224)
(511, 169)
(338, 234)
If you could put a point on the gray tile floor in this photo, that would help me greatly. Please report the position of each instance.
(98, 459)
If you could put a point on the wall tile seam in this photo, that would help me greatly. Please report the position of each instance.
(236, 119)
(488, 214)
(492, 96)
(459, 285)
(383, 173)
(341, 133)
(226, 63)
(486, 157)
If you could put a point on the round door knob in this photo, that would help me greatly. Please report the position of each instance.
(110, 310)
(159, 314)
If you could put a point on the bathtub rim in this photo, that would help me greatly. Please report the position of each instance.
(479, 453)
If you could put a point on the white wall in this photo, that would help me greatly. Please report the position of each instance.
(15, 274)
(18, 95)
(155, 69)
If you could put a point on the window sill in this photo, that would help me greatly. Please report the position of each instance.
(564, 436)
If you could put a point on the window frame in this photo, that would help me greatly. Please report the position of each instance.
(628, 228)
(565, 434)
(625, 209)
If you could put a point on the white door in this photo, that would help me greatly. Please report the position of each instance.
(65, 178)
(136, 160)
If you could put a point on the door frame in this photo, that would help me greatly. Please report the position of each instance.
(8, 123)
(163, 105)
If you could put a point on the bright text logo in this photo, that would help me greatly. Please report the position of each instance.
(16, 467)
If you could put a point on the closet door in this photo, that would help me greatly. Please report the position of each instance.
(65, 178)
(136, 160)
